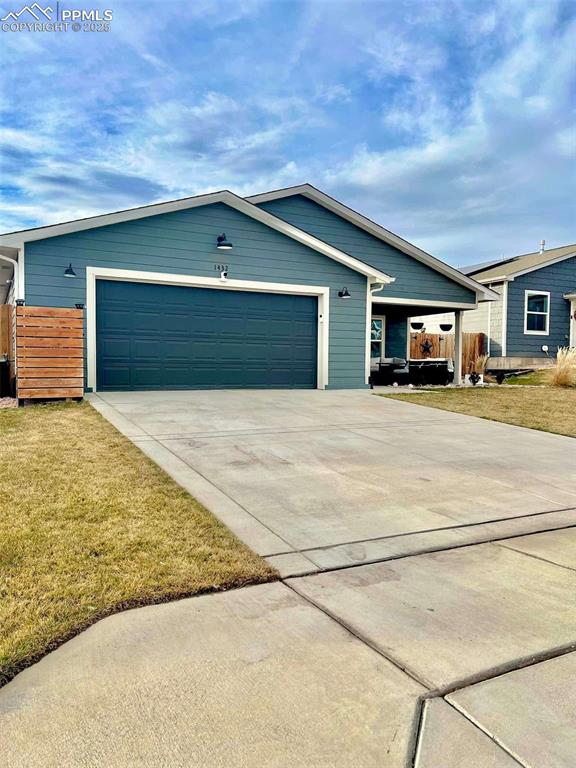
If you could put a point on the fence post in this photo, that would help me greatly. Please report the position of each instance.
(458, 347)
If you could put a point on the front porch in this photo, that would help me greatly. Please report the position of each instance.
(390, 336)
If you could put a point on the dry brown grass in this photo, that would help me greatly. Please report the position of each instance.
(89, 526)
(563, 373)
(549, 409)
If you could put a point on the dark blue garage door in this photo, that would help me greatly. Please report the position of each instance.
(171, 337)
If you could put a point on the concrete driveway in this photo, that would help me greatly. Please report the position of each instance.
(426, 618)
(314, 480)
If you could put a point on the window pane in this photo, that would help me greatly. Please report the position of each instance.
(536, 322)
(376, 330)
(375, 348)
(538, 303)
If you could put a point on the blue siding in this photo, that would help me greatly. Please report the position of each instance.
(558, 279)
(396, 334)
(184, 242)
(414, 280)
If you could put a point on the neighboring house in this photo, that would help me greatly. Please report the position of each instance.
(286, 289)
(536, 309)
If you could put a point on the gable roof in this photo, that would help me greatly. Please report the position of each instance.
(18, 239)
(307, 190)
(508, 269)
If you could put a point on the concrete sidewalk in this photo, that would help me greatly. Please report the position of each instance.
(462, 659)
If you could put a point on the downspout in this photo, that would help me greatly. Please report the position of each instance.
(372, 289)
(15, 268)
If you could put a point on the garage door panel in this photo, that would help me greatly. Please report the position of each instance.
(167, 337)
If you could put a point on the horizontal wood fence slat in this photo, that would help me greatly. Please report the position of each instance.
(27, 372)
(49, 352)
(25, 383)
(29, 332)
(35, 341)
(49, 393)
(50, 312)
(35, 352)
(50, 322)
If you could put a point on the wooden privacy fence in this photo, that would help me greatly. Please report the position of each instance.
(49, 352)
(423, 345)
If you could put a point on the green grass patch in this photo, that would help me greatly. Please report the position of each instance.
(90, 526)
(539, 378)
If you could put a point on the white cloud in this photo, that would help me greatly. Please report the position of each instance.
(449, 123)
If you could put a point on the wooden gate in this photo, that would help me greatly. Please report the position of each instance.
(424, 345)
(49, 353)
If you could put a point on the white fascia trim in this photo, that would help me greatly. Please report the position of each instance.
(513, 275)
(503, 344)
(492, 280)
(161, 278)
(367, 361)
(307, 190)
(226, 197)
(570, 296)
(489, 329)
(423, 303)
(21, 273)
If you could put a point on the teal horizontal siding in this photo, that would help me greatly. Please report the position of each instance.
(414, 280)
(184, 242)
(558, 279)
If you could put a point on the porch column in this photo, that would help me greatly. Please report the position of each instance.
(458, 346)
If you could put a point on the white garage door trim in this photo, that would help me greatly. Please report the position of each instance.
(194, 281)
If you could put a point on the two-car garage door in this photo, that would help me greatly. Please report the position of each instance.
(151, 336)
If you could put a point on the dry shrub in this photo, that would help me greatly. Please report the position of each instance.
(564, 372)
(479, 364)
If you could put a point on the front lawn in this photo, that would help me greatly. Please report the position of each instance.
(89, 526)
(546, 408)
(540, 378)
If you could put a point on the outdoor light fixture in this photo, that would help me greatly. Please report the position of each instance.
(445, 327)
(79, 306)
(222, 243)
(416, 326)
(344, 293)
(19, 302)
(69, 272)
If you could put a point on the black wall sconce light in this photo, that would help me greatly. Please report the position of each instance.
(222, 243)
(79, 306)
(416, 326)
(344, 293)
(19, 302)
(69, 272)
(445, 327)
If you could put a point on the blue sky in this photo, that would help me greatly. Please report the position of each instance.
(450, 123)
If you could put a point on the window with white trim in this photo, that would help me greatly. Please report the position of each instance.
(537, 312)
(377, 339)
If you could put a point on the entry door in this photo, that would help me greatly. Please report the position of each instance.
(171, 337)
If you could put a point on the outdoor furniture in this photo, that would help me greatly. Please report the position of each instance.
(390, 370)
(431, 370)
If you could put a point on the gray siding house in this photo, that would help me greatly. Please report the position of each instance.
(535, 313)
(285, 289)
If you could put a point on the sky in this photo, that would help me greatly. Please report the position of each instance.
(449, 122)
